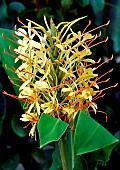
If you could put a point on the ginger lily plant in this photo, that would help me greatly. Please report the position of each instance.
(58, 87)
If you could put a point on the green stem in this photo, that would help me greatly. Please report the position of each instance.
(63, 153)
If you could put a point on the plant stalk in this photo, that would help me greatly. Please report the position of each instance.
(63, 153)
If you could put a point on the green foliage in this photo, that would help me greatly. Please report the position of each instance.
(92, 143)
(114, 31)
(15, 7)
(18, 127)
(83, 3)
(66, 4)
(117, 147)
(56, 164)
(7, 60)
(96, 138)
(97, 5)
(52, 131)
(11, 163)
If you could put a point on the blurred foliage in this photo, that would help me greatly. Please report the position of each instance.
(19, 152)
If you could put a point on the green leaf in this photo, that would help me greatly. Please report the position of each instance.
(117, 147)
(17, 127)
(78, 164)
(3, 10)
(11, 163)
(56, 164)
(66, 3)
(50, 129)
(83, 3)
(98, 10)
(16, 7)
(7, 59)
(113, 29)
(97, 5)
(91, 136)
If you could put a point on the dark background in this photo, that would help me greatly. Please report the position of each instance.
(22, 153)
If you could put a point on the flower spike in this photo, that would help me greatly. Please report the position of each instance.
(56, 72)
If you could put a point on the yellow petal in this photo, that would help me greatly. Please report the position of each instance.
(64, 70)
(48, 110)
(71, 93)
(30, 108)
(67, 89)
(21, 32)
(38, 107)
(24, 84)
(41, 84)
(32, 131)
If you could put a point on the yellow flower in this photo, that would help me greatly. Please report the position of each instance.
(33, 119)
(57, 71)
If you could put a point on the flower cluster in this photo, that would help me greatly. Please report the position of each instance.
(56, 71)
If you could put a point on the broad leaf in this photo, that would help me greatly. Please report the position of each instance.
(18, 127)
(56, 164)
(66, 3)
(50, 129)
(113, 29)
(90, 136)
(117, 147)
(16, 7)
(97, 5)
(78, 164)
(11, 162)
(98, 10)
(83, 3)
(8, 60)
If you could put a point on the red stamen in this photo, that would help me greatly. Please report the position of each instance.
(15, 35)
(97, 27)
(109, 87)
(106, 117)
(22, 33)
(5, 52)
(61, 85)
(104, 62)
(27, 125)
(99, 43)
(96, 62)
(97, 36)
(16, 97)
(3, 36)
(10, 48)
(83, 106)
(9, 68)
(34, 118)
(13, 82)
(104, 81)
(89, 23)
(27, 72)
(98, 96)
(98, 78)
(20, 21)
